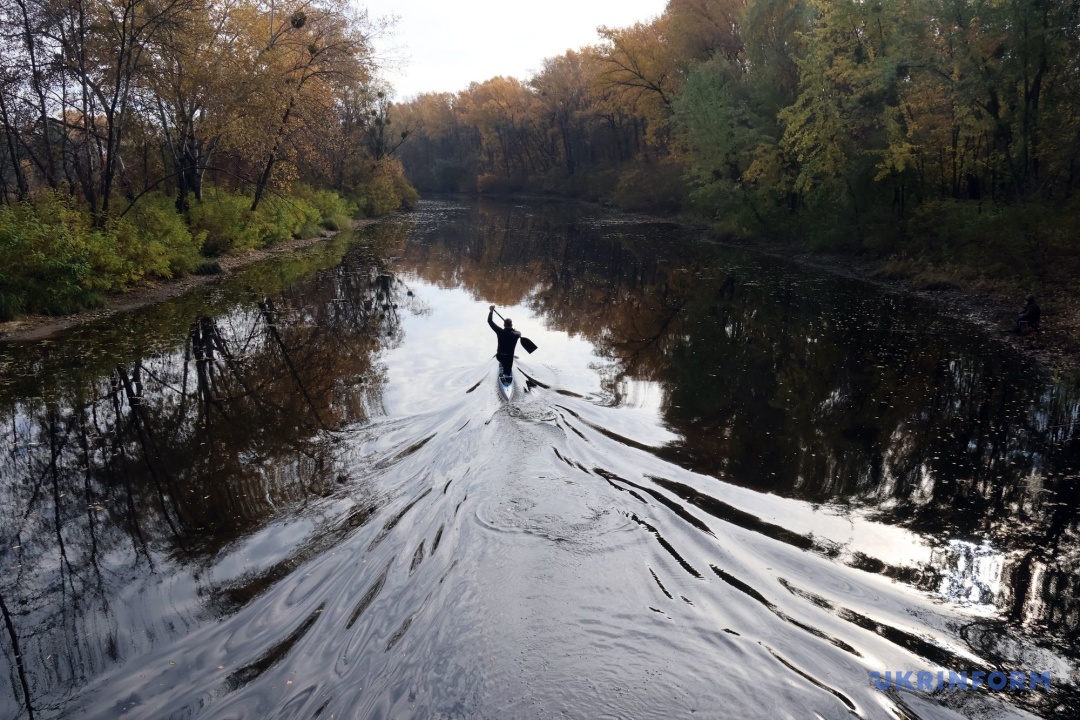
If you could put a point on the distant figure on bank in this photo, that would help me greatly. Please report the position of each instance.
(508, 338)
(1029, 317)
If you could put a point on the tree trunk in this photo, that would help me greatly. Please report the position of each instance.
(22, 190)
(264, 179)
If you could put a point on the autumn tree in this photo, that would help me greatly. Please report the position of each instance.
(638, 64)
(310, 51)
(499, 110)
(700, 29)
(564, 102)
(198, 85)
(852, 123)
(441, 151)
(106, 47)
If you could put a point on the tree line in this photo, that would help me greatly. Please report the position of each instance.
(948, 128)
(137, 133)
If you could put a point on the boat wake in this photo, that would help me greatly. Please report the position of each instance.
(493, 559)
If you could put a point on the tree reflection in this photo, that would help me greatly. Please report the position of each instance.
(808, 386)
(143, 473)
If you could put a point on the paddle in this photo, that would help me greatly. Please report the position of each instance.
(529, 345)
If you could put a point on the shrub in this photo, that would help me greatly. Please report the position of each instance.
(657, 187)
(447, 175)
(996, 239)
(57, 262)
(53, 260)
(336, 212)
(228, 225)
(386, 190)
(156, 239)
(489, 183)
(11, 301)
(224, 219)
(492, 184)
(279, 219)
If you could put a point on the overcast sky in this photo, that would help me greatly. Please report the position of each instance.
(443, 45)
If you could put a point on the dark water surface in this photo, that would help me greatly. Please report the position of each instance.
(733, 488)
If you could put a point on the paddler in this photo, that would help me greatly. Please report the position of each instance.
(508, 338)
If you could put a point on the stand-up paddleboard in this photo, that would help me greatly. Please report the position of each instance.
(506, 384)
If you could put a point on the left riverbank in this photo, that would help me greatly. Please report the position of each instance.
(38, 327)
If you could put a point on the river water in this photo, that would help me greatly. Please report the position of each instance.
(726, 487)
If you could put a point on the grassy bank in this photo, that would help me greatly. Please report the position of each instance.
(157, 319)
(55, 260)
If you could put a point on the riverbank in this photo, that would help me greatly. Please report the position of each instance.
(40, 327)
(993, 305)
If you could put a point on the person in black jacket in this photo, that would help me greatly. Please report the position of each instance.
(1029, 317)
(508, 338)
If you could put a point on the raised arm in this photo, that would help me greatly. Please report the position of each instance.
(492, 322)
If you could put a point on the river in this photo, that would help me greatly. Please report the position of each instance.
(726, 487)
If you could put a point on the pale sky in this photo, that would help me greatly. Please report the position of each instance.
(446, 44)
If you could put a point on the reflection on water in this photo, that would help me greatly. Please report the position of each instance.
(732, 487)
(971, 574)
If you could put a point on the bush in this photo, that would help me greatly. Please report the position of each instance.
(279, 219)
(224, 220)
(228, 225)
(53, 261)
(386, 190)
(997, 240)
(448, 175)
(724, 205)
(11, 301)
(657, 187)
(153, 235)
(995, 245)
(336, 213)
(492, 184)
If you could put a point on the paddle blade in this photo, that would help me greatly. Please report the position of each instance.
(529, 345)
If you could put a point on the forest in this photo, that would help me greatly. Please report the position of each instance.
(930, 133)
(142, 138)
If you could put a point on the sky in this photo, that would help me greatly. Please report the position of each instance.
(443, 45)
